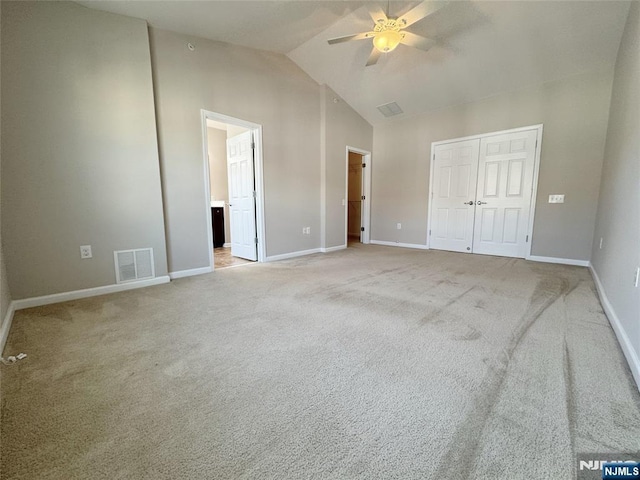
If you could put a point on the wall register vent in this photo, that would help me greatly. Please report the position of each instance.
(133, 265)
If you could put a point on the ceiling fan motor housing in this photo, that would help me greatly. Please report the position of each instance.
(387, 34)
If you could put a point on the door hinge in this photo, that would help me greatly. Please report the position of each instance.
(254, 194)
(429, 232)
(253, 146)
(256, 240)
(527, 240)
(434, 157)
(363, 197)
(364, 165)
(362, 229)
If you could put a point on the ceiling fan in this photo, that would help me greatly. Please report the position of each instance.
(389, 32)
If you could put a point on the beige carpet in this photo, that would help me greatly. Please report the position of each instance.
(369, 363)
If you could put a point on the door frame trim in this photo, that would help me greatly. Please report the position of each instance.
(256, 130)
(534, 186)
(365, 213)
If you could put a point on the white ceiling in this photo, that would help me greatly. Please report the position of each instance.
(484, 48)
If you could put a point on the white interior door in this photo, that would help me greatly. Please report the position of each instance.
(505, 185)
(453, 196)
(242, 202)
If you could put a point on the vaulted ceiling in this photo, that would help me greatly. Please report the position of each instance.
(483, 48)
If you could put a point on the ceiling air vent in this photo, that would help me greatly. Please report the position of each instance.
(390, 109)
(132, 265)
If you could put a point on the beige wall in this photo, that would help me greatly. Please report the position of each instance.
(79, 149)
(574, 114)
(260, 87)
(341, 127)
(218, 172)
(5, 295)
(618, 219)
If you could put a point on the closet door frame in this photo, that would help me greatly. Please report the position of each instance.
(536, 169)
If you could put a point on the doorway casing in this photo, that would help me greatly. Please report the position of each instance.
(256, 130)
(365, 236)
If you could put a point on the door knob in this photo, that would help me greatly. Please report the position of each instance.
(480, 203)
(470, 202)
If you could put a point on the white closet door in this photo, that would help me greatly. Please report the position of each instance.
(453, 197)
(505, 185)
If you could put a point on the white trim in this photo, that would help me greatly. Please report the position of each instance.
(256, 130)
(562, 261)
(285, 256)
(398, 244)
(189, 273)
(226, 245)
(534, 186)
(534, 191)
(365, 212)
(430, 194)
(488, 134)
(87, 292)
(6, 326)
(333, 249)
(623, 339)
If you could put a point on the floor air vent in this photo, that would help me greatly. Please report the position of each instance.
(132, 265)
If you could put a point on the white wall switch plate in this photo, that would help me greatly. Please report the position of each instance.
(85, 251)
(600, 243)
(399, 226)
(556, 198)
(344, 203)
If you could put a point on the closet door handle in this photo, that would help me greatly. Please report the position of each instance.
(480, 203)
(470, 202)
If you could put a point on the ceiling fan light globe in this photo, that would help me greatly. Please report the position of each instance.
(387, 40)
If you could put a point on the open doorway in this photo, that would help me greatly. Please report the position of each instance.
(233, 173)
(358, 196)
(354, 202)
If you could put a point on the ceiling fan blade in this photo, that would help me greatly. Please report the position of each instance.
(377, 14)
(373, 58)
(416, 41)
(424, 9)
(348, 38)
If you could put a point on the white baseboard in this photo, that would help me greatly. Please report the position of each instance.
(6, 326)
(87, 292)
(333, 249)
(398, 244)
(189, 273)
(284, 256)
(623, 338)
(226, 245)
(562, 261)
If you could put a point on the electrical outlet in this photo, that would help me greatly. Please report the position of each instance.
(308, 231)
(85, 251)
(600, 243)
(399, 226)
(556, 198)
